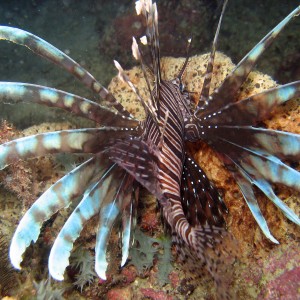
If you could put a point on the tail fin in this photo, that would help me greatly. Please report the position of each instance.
(212, 249)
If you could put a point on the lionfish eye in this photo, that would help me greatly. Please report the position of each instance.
(181, 87)
(179, 83)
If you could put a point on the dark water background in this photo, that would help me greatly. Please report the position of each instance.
(94, 32)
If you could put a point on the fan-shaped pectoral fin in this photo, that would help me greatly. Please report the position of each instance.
(267, 189)
(86, 209)
(48, 51)
(140, 161)
(87, 140)
(58, 196)
(128, 221)
(15, 92)
(248, 194)
(229, 88)
(201, 200)
(256, 108)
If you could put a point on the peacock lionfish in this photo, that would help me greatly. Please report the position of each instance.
(127, 153)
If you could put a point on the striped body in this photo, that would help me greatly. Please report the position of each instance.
(171, 150)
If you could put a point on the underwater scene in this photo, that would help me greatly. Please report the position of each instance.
(164, 166)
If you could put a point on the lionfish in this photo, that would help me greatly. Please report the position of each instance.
(127, 154)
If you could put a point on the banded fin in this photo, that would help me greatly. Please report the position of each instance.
(110, 210)
(48, 51)
(271, 168)
(262, 165)
(138, 56)
(128, 222)
(201, 200)
(148, 107)
(252, 166)
(14, 92)
(219, 250)
(256, 108)
(140, 161)
(267, 189)
(204, 95)
(86, 209)
(87, 140)
(213, 249)
(229, 89)
(61, 194)
(126, 232)
(246, 188)
(149, 11)
(284, 145)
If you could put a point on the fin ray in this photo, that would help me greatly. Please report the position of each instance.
(256, 108)
(48, 51)
(200, 199)
(248, 194)
(284, 145)
(87, 208)
(230, 86)
(87, 140)
(61, 194)
(24, 92)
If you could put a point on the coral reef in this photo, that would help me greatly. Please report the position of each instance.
(17, 178)
(82, 260)
(7, 275)
(45, 291)
(147, 250)
(260, 266)
(144, 252)
(26, 179)
(165, 258)
(21, 184)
